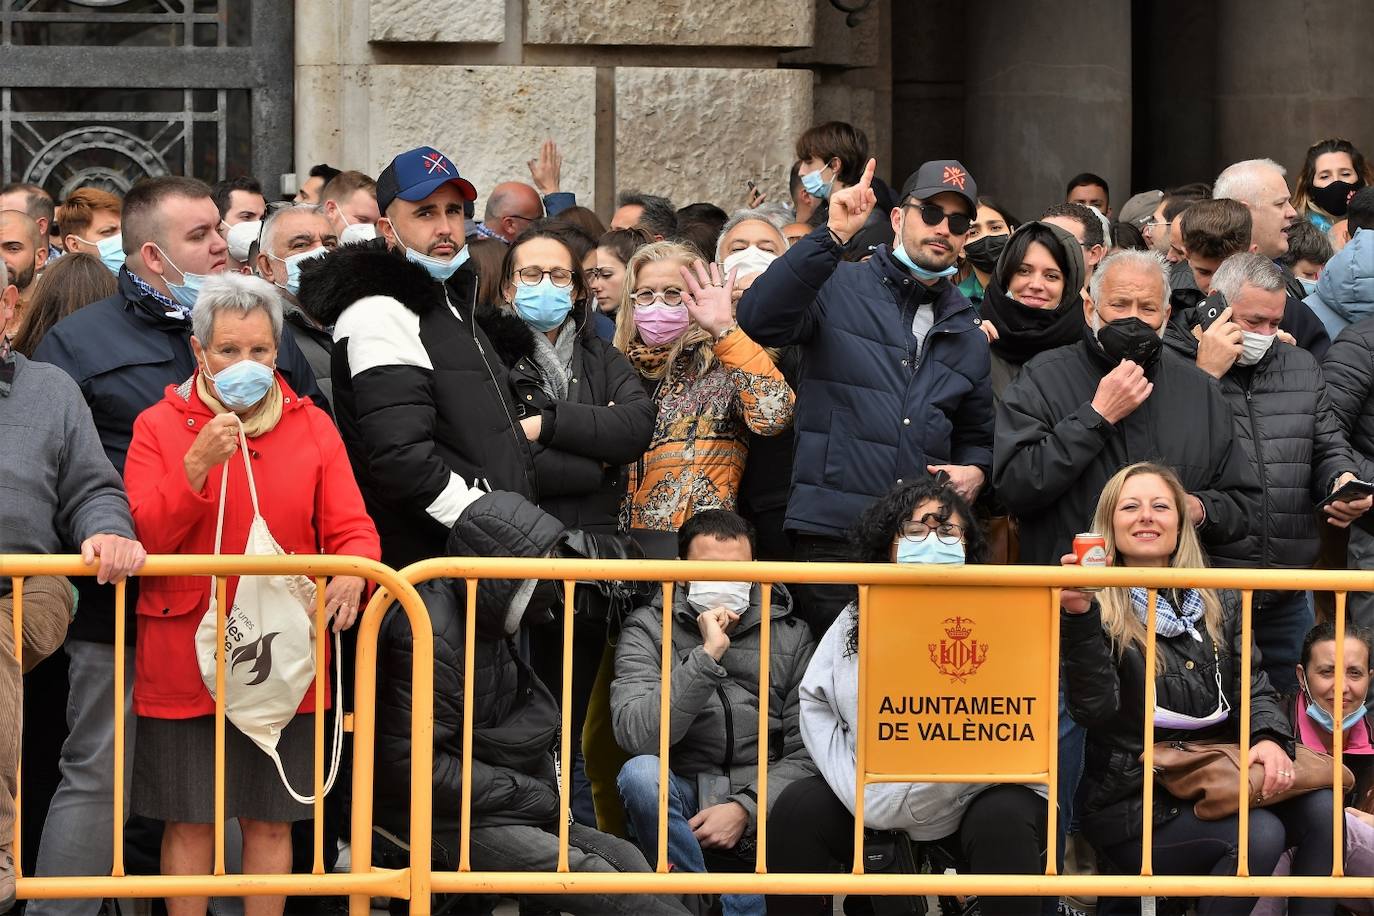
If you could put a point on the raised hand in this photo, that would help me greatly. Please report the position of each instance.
(546, 170)
(850, 207)
(708, 297)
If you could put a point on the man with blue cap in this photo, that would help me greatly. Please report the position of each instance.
(423, 403)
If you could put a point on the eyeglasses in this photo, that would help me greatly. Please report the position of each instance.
(597, 273)
(647, 297)
(531, 276)
(947, 532)
(528, 219)
(933, 215)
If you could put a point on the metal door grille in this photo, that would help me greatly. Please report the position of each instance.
(105, 92)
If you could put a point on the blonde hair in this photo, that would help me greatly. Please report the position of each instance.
(625, 330)
(1118, 618)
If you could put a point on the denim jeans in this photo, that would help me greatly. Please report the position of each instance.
(77, 836)
(1072, 742)
(638, 784)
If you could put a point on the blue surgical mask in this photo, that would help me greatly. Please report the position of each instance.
(243, 384)
(1308, 286)
(111, 250)
(188, 289)
(931, 550)
(817, 187)
(438, 269)
(899, 252)
(293, 267)
(543, 306)
(1326, 720)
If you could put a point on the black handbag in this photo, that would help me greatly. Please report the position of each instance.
(890, 852)
(604, 602)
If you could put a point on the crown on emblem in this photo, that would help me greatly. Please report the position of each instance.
(957, 628)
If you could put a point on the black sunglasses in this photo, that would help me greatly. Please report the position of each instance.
(933, 215)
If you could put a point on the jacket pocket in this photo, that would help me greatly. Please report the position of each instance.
(174, 596)
(838, 446)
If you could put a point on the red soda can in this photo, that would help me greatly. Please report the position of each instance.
(1091, 550)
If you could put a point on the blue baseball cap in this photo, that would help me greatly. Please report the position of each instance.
(416, 174)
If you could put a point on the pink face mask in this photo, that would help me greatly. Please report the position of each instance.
(661, 324)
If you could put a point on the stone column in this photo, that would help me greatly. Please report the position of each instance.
(1048, 96)
(1290, 73)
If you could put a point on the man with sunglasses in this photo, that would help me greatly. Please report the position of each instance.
(895, 376)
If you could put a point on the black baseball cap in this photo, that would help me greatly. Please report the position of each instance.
(416, 174)
(939, 176)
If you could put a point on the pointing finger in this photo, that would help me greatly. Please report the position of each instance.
(867, 178)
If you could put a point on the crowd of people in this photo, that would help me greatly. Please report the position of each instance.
(855, 374)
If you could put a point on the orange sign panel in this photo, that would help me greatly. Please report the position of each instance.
(958, 680)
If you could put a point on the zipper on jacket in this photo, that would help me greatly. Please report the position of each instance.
(1263, 478)
(729, 729)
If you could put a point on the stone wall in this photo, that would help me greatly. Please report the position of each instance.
(687, 98)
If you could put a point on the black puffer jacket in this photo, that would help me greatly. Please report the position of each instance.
(424, 406)
(1106, 695)
(584, 446)
(1295, 446)
(515, 717)
(1349, 371)
(1054, 453)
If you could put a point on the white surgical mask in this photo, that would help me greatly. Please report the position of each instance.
(241, 237)
(732, 596)
(357, 232)
(751, 260)
(1254, 346)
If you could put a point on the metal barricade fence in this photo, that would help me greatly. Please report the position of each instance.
(897, 607)
(892, 601)
(364, 881)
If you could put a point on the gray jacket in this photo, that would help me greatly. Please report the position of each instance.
(57, 488)
(715, 708)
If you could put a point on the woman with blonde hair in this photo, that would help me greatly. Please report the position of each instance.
(1197, 684)
(713, 385)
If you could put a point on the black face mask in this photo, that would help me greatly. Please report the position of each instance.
(1335, 197)
(1130, 338)
(983, 253)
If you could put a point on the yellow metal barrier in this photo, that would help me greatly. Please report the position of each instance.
(928, 591)
(364, 881)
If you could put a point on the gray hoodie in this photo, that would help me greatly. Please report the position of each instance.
(715, 707)
(57, 488)
(829, 718)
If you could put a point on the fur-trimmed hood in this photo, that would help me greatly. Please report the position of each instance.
(330, 284)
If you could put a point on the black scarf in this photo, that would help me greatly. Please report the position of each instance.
(1024, 331)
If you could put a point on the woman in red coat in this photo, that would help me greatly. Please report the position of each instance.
(182, 446)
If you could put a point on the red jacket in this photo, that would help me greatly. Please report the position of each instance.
(308, 497)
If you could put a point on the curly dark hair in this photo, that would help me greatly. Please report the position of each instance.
(871, 536)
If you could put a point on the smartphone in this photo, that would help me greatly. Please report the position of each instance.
(1210, 309)
(1351, 489)
(712, 789)
(751, 185)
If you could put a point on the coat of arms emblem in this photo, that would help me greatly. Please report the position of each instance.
(959, 656)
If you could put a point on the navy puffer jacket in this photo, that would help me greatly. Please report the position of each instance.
(871, 411)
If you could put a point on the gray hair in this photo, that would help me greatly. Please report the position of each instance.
(234, 294)
(1147, 261)
(1241, 180)
(269, 226)
(1246, 269)
(744, 216)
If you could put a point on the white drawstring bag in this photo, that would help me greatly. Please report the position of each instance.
(269, 643)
